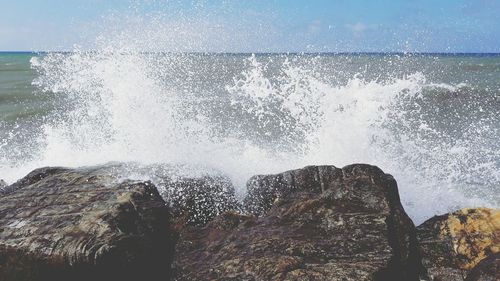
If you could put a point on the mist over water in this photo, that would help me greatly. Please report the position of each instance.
(429, 121)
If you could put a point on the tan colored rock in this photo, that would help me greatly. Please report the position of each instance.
(475, 234)
(453, 244)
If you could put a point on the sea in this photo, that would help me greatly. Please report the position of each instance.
(430, 120)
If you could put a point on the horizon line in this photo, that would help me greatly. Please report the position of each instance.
(276, 53)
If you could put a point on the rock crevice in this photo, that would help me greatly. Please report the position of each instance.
(314, 223)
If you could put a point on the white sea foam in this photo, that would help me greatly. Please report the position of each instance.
(120, 104)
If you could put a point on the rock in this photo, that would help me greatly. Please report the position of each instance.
(83, 224)
(486, 270)
(196, 201)
(3, 184)
(316, 223)
(264, 190)
(195, 194)
(452, 244)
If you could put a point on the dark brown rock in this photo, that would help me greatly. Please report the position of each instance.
(486, 270)
(264, 190)
(195, 194)
(316, 223)
(197, 200)
(83, 224)
(452, 244)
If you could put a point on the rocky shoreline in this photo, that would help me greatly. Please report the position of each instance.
(315, 223)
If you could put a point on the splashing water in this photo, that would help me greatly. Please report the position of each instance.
(246, 114)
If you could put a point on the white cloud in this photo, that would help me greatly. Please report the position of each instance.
(360, 27)
(314, 27)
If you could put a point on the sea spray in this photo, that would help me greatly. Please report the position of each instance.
(245, 114)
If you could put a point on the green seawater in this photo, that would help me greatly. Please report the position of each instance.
(18, 97)
(431, 120)
(21, 100)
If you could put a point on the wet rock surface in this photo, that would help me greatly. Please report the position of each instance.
(316, 223)
(486, 270)
(453, 244)
(196, 201)
(195, 194)
(83, 224)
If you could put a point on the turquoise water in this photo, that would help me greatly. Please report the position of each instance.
(15, 86)
(19, 98)
(431, 120)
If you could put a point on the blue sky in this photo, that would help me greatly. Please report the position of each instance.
(255, 26)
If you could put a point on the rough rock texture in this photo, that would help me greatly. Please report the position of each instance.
(453, 244)
(197, 200)
(486, 270)
(316, 223)
(3, 184)
(82, 224)
(195, 194)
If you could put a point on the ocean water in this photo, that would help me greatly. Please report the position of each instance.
(430, 120)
